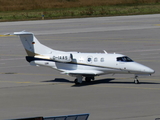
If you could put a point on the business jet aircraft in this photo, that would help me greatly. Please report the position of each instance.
(78, 64)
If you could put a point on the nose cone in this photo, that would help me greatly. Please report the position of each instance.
(141, 69)
(147, 70)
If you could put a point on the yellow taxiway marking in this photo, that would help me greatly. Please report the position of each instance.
(97, 85)
(30, 74)
(157, 24)
(22, 82)
(6, 35)
(27, 82)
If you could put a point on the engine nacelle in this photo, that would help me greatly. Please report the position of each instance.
(63, 57)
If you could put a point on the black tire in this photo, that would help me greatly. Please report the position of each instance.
(136, 81)
(88, 79)
(76, 82)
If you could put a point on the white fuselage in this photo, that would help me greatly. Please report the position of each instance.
(94, 64)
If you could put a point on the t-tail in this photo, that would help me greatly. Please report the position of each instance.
(39, 54)
(32, 46)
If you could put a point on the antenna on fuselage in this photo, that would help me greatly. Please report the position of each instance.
(105, 52)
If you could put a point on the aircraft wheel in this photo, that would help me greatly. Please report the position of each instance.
(76, 82)
(136, 81)
(88, 79)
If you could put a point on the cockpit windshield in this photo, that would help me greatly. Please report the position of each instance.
(124, 59)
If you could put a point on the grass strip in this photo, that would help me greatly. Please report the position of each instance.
(78, 12)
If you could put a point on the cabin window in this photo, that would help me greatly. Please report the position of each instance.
(102, 59)
(124, 59)
(89, 59)
(95, 59)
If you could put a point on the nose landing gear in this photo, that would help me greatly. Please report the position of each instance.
(136, 81)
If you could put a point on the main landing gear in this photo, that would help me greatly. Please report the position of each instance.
(79, 78)
(88, 79)
(136, 81)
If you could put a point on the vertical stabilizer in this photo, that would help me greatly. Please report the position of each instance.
(32, 45)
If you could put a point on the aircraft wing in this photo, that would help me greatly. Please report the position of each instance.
(83, 72)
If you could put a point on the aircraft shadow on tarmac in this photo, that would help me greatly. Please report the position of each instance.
(109, 81)
(59, 80)
(100, 81)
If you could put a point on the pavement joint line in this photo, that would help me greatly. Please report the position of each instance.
(23, 57)
(35, 74)
(109, 86)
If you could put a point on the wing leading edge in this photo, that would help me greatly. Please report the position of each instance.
(83, 72)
